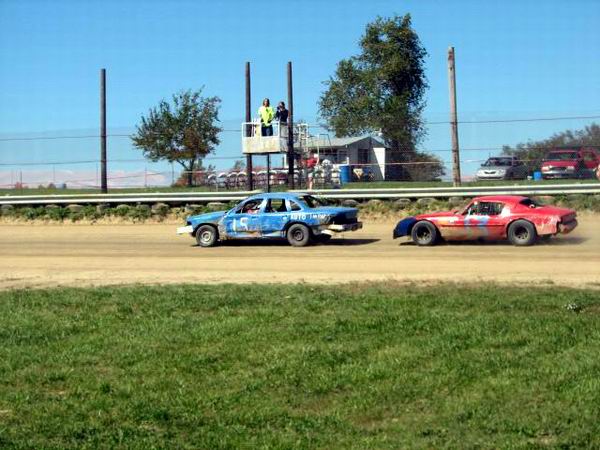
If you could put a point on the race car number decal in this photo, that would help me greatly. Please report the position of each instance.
(304, 216)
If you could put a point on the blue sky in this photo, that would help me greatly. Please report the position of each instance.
(515, 59)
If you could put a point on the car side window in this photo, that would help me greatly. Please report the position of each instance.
(250, 207)
(485, 208)
(294, 206)
(276, 205)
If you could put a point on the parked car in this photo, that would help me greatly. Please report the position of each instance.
(502, 168)
(299, 218)
(519, 219)
(575, 163)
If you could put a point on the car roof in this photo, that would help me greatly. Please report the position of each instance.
(286, 195)
(501, 198)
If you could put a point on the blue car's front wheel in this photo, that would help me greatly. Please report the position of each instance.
(207, 236)
(298, 235)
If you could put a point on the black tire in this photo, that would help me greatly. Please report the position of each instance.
(424, 233)
(522, 233)
(298, 235)
(322, 238)
(207, 236)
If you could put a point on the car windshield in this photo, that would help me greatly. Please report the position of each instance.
(561, 156)
(497, 162)
(313, 202)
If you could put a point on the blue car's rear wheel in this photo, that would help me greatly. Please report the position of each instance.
(207, 236)
(298, 235)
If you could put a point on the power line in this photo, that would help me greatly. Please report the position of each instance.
(95, 136)
(539, 119)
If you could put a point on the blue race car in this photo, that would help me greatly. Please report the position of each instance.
(299, 218)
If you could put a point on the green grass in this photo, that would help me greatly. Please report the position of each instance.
(379, 366)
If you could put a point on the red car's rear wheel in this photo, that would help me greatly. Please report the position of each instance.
(521, 232)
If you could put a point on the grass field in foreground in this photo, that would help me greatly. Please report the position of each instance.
(355, 366)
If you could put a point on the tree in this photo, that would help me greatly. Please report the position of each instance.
(532, 152)
(238, 165)
(199, 174)
(382, 89)
(183, 132)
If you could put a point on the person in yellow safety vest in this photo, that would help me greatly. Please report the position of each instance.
(266, 114)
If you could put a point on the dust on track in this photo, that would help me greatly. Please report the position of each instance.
(90, 255)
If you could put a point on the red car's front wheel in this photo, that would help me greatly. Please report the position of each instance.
(424, 233)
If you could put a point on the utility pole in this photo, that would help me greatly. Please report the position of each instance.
(291, 155)
(248, 131)
(453, 118)
(103, 176)
(268, 172)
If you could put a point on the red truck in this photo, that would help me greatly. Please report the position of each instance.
(570, 163)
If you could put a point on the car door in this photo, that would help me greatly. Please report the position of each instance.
(519, 169)
(590, 160)
(274, 217)
(484, 220)
(244, 221)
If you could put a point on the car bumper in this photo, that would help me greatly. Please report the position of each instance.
(185, 230)
(559, 174)
(335, 228)
(491, 177)
(566, 228)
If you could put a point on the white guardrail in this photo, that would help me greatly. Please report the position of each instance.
(357, 194)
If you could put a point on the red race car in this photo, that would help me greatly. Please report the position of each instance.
(519, 219)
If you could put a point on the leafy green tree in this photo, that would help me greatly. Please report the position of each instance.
(382, 89)
(532, 152)
(183, 132)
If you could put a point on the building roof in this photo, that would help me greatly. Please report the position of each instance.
(343, 142)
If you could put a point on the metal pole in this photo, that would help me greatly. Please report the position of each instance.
(268, 172)
(291, 155)
(453, 118)
(103, 176)
(249, 180)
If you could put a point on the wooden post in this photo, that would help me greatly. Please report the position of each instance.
(249, 180)
(453, 118)
(291, 153)
(103, 175)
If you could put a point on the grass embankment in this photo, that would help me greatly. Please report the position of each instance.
(371, 210)
(394, 366)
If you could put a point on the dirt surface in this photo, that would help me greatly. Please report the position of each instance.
(82, 255)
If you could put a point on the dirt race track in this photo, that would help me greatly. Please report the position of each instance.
(82, 255)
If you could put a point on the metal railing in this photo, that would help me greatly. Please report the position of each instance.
(180, 198)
